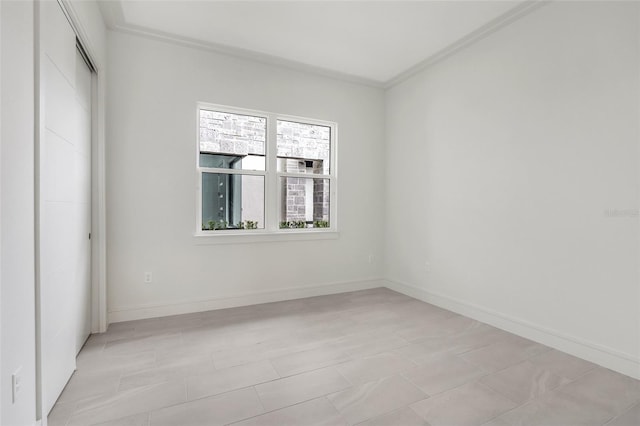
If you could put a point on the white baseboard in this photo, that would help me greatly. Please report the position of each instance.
(130, 313)
(593, 352)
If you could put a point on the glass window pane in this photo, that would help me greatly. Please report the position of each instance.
(233, 141)
(304, 203)
(232, 201)
(303, 148)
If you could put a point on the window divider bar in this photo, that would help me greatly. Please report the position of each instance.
(233, 171)
(272, 196)
(304, 175)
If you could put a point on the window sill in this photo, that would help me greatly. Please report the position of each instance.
(231, 237)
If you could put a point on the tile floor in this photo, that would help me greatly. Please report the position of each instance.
(372, 357)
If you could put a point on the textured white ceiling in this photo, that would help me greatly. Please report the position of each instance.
(371, 40)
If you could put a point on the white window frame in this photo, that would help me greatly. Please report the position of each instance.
(272, 188)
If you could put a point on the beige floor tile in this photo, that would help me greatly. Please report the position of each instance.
(216, 410)
(183, 354)
(133, 345)
(231, 361)
(92, 364)
(505, 353)
(523, 382)
(234, 356)
(170, 324)
(373, 399)
(402, 417)
(61, 413)
(95, 344)
(474, 338)
(206, 335)
(555, 409)
(299, 388)
(380, 329)
(317, 412)
(312, 359)
(439, 327)
(416, 310)
(375, 367)
(443, 373)
(376, 346)
(424, 351)
(220, 381)
(115, 331)
(127, 403)
(141, 419)
(562, 364)
(374, 314)
(605, 388)
(168, 371)
(240, 336)
(363, 336)
(469, 405)
(84, 385)
(325, 325)
(498, 421)
(272, 349)
(593, 399)
(631, 417)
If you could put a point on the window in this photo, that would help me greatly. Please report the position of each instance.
(264, 173)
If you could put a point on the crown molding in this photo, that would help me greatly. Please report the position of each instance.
(114, 18)
(243, 54)
(489, 28)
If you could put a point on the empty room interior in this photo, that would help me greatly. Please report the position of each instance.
(291, 213)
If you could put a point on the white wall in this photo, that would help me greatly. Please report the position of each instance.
(17, 215)
(516, 147)
(151, 177)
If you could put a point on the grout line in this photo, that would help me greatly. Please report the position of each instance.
(264, 410)
(623, 412)
(277, 409)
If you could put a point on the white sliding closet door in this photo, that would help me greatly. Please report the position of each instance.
(82, 305)
(64, 290)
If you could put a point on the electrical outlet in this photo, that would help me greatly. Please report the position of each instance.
(427, 266)
(16, 384)
(371, 258)
(148, 277)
